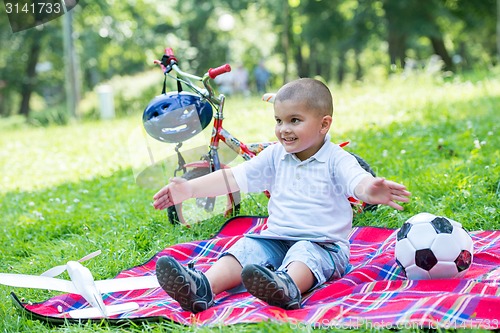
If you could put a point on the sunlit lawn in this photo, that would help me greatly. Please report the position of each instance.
(68, 191)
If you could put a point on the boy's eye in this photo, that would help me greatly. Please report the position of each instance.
(295, 120)
(278, 121)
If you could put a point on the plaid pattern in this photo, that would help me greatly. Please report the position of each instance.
(373, 294)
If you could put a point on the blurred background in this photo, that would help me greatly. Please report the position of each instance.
(56, 72)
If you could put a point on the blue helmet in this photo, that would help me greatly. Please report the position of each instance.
(176, 116)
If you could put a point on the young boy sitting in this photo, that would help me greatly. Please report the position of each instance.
(310, 217)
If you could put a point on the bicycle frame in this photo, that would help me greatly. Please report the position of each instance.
(219, 133)
(211, 160)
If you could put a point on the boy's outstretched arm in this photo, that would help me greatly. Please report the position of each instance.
(214, 184)
(376, 190)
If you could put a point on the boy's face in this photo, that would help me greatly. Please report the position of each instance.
(301, 131)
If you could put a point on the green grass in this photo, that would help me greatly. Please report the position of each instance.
(68, 191)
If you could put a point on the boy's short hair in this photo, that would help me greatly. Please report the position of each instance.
(313, 93)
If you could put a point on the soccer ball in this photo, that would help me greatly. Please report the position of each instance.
(433, 247)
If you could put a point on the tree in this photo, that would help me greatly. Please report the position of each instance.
(476, 24)
(34, 41)
(412, 19)
(332, 39)
(397, 31)
(21, 78)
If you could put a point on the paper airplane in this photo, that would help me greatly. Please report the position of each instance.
(82, 282)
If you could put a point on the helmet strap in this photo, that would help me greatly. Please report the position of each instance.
(164, 89)
(179, 86)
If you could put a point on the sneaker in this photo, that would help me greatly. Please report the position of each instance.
(187, 286)
(274, 288)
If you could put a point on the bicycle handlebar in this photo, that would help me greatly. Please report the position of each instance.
(176, 68)
(214, 72)
(169, 52)
(169, 62)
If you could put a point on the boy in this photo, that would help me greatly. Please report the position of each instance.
(310, 217)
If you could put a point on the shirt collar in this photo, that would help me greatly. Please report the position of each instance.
(320, 156)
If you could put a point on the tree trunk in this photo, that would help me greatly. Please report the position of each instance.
(28, 84)
(397, 48)
(299, 61)
(498, 30)
(440, 50)
(359, 68)
(326, 68)
(285, 39)
(341, 68)
(396, 33)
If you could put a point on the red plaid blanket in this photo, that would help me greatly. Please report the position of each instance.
(374, 294)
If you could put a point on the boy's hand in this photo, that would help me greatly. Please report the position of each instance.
(382, 191)
(175, 192)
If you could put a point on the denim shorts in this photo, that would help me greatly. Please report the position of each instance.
(325, 260)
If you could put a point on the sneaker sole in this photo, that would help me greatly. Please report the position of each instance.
(262, 285)
(170, 275)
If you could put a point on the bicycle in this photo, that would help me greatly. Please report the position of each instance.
(176, 125)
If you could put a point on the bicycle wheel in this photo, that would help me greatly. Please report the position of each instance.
(196, 206)
(366, 166)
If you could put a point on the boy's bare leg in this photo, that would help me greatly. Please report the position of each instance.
(224, 274)
(301, 275)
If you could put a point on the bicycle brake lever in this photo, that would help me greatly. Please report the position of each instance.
(158, 62)
(166, 63)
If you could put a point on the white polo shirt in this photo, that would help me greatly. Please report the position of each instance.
(308, 198)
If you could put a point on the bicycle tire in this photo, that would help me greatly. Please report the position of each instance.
(175, 212)
(366, 167)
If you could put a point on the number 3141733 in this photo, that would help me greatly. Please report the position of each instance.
(33, 8)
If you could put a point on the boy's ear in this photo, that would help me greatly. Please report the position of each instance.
(326, 122)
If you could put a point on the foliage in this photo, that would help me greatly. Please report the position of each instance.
(337, 40)
(67, 191)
